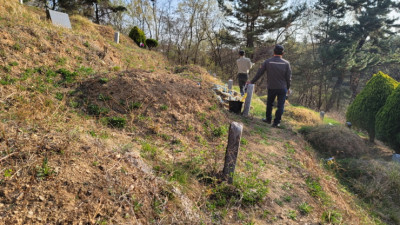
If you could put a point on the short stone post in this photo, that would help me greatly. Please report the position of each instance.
(247, 103)
(21, 2)
(116, 37)
(322, 115)
(232, 150)
(230, 85)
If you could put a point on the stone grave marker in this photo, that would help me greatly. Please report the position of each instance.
(116, 37)
(232, 150)
(230, 85)
(59, 18)
(247, 103)
(322, 115)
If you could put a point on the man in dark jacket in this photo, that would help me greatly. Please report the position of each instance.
(279, 75)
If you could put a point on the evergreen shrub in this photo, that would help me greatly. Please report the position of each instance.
(151, 43)
(362, 112)
(387, 124)
(137, 35)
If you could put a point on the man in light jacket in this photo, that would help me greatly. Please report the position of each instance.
(279, 76)
(244, 65)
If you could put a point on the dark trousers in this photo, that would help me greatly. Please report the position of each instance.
(272, 94)
(242, 78)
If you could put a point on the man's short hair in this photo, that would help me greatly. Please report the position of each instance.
(241, 53)
(278, 50)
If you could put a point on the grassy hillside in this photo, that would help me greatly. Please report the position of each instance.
(93, 132)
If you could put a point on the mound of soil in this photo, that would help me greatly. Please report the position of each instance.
(170, 100)
(60, 176)
(336, 141)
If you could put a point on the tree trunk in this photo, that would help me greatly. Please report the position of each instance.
(320, 95)
(354, 81)
(97, 13)
(371, 135)
(335, 92)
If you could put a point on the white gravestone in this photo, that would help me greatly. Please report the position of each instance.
(247, 103)
(230, 84)
(322, 115)
(59, 18)
(116, 37)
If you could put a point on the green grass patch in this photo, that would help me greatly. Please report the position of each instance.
(135, 105)
(252, 189)
(7, 80)
(85, 71)
(164, 107)
(117, 122)
(95, 110)
(292, 215)
(332, 217)
(328, 120)
(68, 76)
(103, 80)
(13, 64)
(220, 131)
(305, 208)
(149, 151)
(8, 173)
(44, 170)
(259, 106)
(316, 191)
(59, 96)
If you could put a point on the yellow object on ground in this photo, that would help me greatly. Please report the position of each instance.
(244, 97)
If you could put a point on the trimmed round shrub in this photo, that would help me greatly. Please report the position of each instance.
(137, 35)
(387, 124)
(362, 112)
(151, 43)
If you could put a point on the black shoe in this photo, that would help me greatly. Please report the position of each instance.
(266, 121)
(276, 125)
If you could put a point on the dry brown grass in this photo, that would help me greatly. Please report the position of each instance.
(300, 116)
(94, 173)
(377, 182)
(337, 141)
